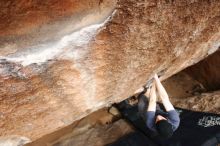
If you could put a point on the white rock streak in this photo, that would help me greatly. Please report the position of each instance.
(14, 140)
(41, 53)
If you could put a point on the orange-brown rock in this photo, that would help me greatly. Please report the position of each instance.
(206, 102)
(61, 60)
(207, 72)
(90, 130)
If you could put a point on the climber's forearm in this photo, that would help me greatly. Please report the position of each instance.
(161, 90)
(163, 94)
(152, 105)
(153, 99)
(167, 104)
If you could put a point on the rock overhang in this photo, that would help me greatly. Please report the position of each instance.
(140, 39)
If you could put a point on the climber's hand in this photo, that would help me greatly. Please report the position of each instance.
(156, 77)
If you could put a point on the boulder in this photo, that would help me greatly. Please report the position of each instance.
(206, 102)
(61, 60)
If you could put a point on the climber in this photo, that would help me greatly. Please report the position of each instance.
(161, 123)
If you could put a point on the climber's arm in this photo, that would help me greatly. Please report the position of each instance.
(151, 110)
(163, 95)
(153, 99)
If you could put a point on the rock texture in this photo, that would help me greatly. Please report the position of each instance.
(61, 60)
(207, 102)
(91, 130)
(207, 72)
(13, 140)
(199, 78)
(182, 85)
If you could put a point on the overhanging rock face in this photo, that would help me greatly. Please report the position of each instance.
(61, 60)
